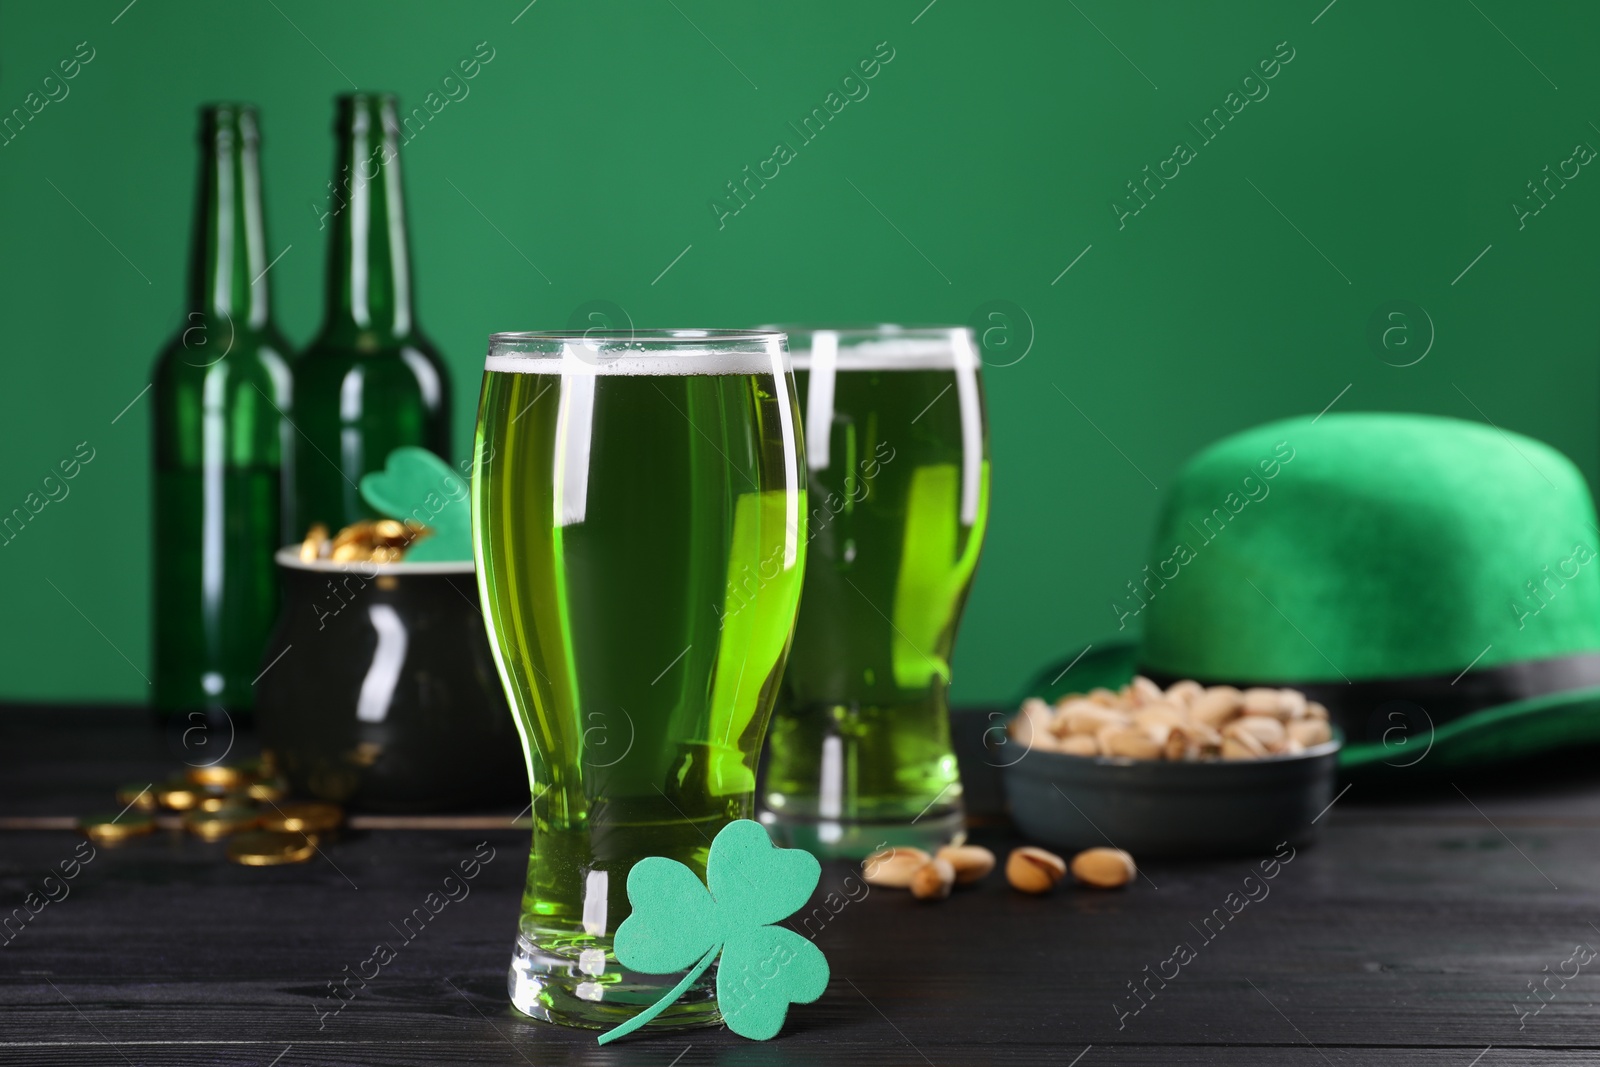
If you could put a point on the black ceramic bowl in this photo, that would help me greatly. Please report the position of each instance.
(379, 690)
(1161, 808)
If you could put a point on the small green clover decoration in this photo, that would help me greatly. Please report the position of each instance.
(417, 486)
(678, 922)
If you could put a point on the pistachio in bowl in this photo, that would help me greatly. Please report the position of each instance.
(1189, 770)
(1187, 721)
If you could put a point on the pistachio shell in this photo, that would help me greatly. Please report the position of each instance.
(1310, 732)
(1263, 728)
(892, 868)
(1184, 693)
(1216, 706)
(932, 881)
(1033, 870)
(1245, 747)
(1130, 742)
(970, 862)
(1105, 868)
(1079, 745)
(1142, 691)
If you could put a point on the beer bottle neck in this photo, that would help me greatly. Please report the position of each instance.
(228, 261)
(369, 265)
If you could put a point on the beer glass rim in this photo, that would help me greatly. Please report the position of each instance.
(799, 332)
(639, 352)
(880, 346)
(667, 336)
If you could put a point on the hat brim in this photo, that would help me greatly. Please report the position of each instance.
(1490, 735)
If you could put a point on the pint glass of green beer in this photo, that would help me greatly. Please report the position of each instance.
(897, 453)
(622, 483)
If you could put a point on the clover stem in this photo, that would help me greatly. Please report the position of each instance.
(661, 1005)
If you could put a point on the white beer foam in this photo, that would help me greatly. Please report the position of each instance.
(905, 353)
(680, 361)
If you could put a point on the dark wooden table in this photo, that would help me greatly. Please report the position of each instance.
(1412, 934)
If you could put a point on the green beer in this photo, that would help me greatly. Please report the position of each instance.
(897, 452)
(621, 486)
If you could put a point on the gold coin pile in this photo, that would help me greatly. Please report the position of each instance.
(237, 803)
(368, 541)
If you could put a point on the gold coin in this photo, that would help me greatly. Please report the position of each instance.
(390, 530)
(217, 799)
(109, 829)
(266, 791)
(356, 533)
(316, 539)
(217, 775)
(215, 825)
(138, 797)
(386, 554)
(350, 553)
(177, 796)
(266, 848)
(310, 816)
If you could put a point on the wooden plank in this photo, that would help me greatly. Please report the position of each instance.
(1412, 936)
(723, 1049)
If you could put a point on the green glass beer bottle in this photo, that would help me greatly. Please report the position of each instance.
(370, 382)
(221, 394)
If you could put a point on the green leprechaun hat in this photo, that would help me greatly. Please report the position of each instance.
(1434, 582)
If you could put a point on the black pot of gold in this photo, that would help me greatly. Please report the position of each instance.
(378, 690)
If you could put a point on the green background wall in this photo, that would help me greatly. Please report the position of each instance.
(1387, 155)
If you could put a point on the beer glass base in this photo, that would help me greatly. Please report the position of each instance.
(558, 988)
(857, 839)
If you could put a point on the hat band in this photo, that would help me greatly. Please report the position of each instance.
(1393, 711)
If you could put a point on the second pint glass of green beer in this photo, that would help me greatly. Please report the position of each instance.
(859, 755)
(622, 482)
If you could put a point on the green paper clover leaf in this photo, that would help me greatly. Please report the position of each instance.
(678, 922)
(417, 485)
